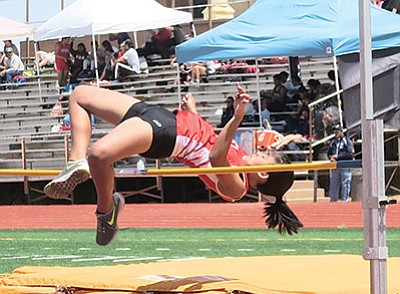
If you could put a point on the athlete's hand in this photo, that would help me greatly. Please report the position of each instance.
(242, 99)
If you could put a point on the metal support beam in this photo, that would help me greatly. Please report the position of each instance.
(375, 248)
(374, 205)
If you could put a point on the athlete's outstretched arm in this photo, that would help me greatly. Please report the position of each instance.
(227, 134)
(230, 184)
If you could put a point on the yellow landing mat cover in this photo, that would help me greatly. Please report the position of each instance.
(266, 275)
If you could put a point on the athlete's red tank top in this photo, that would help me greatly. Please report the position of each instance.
(195, 139)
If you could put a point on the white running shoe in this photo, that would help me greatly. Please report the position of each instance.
(75, 173)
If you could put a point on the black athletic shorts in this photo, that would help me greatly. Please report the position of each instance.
(163, 123)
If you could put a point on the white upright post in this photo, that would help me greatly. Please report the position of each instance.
(374, 200)
(95, 60)
(258, 94)
(38, 71)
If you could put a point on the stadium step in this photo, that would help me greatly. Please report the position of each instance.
(303, 191)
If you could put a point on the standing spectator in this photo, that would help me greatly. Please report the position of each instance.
(80, 56)
(341, 148)
(63, 60)
(128, 63)
(9, 43)
(228, 112)
(14, 66)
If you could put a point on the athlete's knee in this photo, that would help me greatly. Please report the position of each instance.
(99, 155)
(78, 95)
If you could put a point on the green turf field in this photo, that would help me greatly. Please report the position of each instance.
(77, 247)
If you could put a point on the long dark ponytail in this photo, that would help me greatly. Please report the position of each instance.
(278, 214)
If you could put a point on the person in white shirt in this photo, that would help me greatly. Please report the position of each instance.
(128, 63)
(14, 66)
(44, 58)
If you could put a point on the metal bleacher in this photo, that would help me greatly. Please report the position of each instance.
(26, 136)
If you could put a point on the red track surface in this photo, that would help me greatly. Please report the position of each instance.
(204, 215)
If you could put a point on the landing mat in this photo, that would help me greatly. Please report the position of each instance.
(266, 275)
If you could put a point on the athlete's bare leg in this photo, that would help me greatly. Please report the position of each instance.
(133, 136)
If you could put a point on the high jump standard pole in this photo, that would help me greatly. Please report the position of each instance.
(374, 199)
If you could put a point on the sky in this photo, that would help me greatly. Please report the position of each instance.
(39, 11)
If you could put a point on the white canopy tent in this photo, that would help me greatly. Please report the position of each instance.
(94, 17)
(11, 29)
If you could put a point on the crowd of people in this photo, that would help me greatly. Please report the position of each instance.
(289, 94)
(116, 58)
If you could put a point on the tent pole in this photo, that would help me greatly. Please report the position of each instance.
(38, 71)
(135, 39)
(258, 94)
(178, 76)
(194, 33)
(339, 101)
(374, 200)
(95, 60)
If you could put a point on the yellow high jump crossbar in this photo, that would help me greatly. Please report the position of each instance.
(325, 165)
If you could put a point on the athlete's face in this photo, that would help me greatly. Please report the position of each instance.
(259, 159)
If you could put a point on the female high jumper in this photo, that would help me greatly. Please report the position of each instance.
(154, 132)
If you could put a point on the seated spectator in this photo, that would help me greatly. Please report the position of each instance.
(128, 63)
(276, 97)
(89, 63)
(228, 112)
(178, 37)
(13, 68)
(45, 59)
(120, 37)
(183, 77)
(198, 70)
(67, 122)
(107, 73)
(330, 118)
(391, 5)
(163, 42)
(378, 3)
(291, 85)
(9, 43)
(314, 88)
(2, 61)
(79, 55)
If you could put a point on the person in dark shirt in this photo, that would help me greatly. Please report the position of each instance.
(228, 113)
(341, 148)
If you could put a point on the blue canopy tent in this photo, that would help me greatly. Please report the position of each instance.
(321, 28)
(292, 28)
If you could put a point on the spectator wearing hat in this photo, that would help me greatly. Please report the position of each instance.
(341, 148)
(14, 66)
(9, 43)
